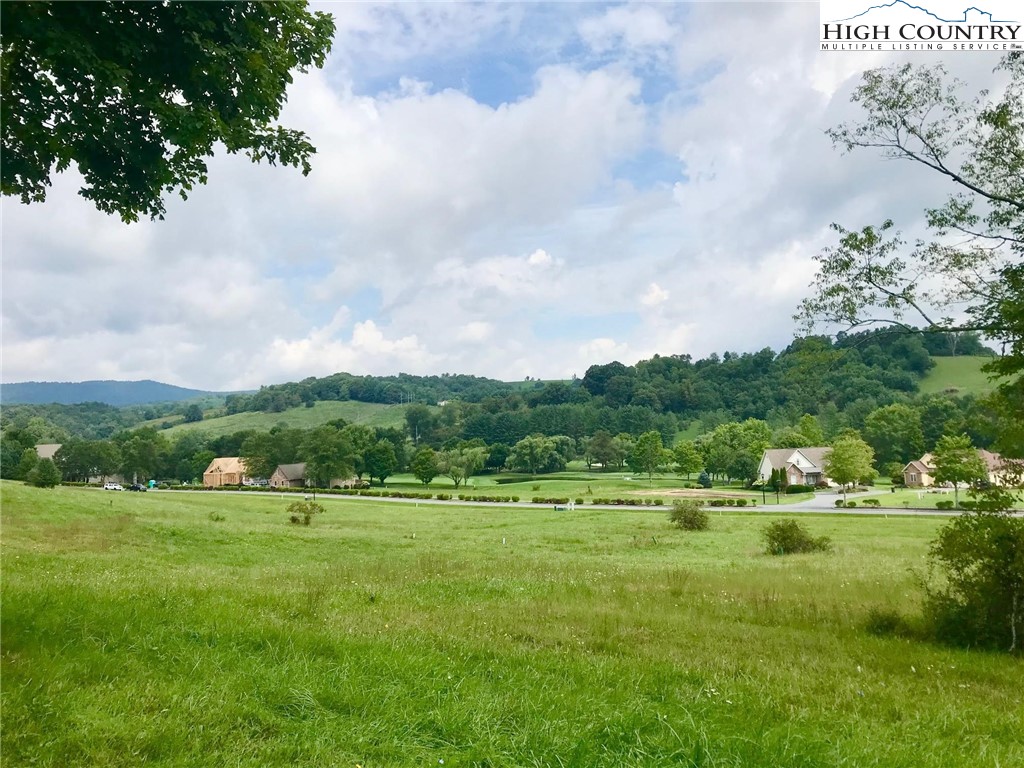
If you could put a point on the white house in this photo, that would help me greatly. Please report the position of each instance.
(803, 466)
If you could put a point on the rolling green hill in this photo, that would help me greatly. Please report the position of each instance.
(957, 376)
(371, 414)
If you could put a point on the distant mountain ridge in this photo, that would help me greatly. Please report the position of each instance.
(115, 393)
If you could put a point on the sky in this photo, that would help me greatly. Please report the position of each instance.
(505, 190)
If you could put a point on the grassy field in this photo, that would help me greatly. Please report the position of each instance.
(371, 414)
(958, 375)
(918, 498)
(191, 629)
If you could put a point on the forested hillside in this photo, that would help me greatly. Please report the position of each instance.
(117, 393)
(856, 371)
(813, 392)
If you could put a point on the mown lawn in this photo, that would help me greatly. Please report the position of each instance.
(923, 498)
(587, 485)
(202, 629)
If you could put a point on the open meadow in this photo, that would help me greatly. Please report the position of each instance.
(196, 629)
(958, 375)
(369, 414)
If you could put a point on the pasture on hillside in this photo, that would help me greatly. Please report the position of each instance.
(370, 414)
(957, 375)
(204, 629)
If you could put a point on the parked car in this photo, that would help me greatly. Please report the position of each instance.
(137, 487)
(112, 487)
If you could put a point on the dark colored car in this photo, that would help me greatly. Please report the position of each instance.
(137, 487)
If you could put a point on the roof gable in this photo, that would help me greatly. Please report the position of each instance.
(226, 465)
(812, 458)
(47, 450)
(292, 471)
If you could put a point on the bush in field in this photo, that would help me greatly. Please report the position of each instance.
(981, 602)
(44, 474)
(704, 480)
(301, 512)
(787, 537)
(886, 622)
(688, 515)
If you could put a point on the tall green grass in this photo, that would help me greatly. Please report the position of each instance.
(143, 628)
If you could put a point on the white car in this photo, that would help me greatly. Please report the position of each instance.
(112, 487)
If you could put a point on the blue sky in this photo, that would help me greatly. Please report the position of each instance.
(506, 190)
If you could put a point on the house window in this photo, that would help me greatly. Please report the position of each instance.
(913, 478)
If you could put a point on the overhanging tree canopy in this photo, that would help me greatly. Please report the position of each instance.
(137, 94)
(974, 263)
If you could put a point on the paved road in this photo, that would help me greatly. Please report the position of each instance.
(820, 504)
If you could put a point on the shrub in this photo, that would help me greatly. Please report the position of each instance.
(741, 502)
(688, 515)
(659, 502)
(840, 503)
(981, 602)
(44, 474)
(301, 512)
(969, 505)
(515, 498)
(944, 504)
(797, 488)
(886, 622)
(704, 480)
(851, 505)
(871, 503)
(579, 500)
(786, 537)
(717, 502)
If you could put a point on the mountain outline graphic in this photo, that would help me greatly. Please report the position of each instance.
(933, 15)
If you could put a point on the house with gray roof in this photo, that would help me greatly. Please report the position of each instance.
(802, 466)
(289, 476)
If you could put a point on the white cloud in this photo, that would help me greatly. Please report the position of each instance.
(654, 296)
(441, 230)
(475, 331)
(632, 26)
